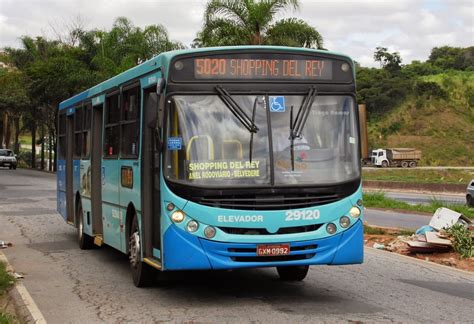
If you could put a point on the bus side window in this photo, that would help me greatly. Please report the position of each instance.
(62, 136)
(87, 114)
(130, 123)
(112, 126)
(78, 132)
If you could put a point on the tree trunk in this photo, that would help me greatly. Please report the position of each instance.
(50, 151)
(17, 135)
(33, 145)
(42, 147)
(1, 129)
(8, 131)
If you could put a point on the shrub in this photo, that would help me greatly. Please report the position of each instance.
(462, 240)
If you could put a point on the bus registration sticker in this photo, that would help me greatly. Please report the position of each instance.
(273, 249)
(175, 143)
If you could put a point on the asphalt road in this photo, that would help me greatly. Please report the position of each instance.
(395, 219)
(74, 286)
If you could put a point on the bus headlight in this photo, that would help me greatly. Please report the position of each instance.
(355, 212)
(331, 228)
(344, 221)
(177, 216)
(210, 232)
(192, 226)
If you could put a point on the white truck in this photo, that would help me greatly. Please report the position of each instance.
(394, 157)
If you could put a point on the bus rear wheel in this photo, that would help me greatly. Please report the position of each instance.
(142, 273)
(293, 273)
(85, 241)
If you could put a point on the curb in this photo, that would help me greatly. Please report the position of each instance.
(24, 303)
(424, 262)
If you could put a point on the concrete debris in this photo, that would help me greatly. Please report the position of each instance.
(432, 238)
(4, 245)
(17, 275)
(379, 246)
(445, 218)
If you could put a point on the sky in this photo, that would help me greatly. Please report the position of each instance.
(353, 27)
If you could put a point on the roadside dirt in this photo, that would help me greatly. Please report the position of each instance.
(389, 239)
(7, 306)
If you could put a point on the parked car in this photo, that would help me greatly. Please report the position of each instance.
(7, 159)
(470, 194)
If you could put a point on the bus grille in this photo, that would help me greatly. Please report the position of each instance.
(263, 231)
(250, 254)
(269, 202)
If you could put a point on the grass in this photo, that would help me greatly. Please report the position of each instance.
(379, 200)
(442, 127)
(448, 176)
(382, 231)
(6, 281)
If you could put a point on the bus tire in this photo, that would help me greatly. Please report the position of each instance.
(292, 273)
(85, 241)
(142, 273)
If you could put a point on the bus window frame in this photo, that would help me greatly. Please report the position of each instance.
(271, 185)
(106, 125)
(122, 122)
(78, 111)
(62, 135)
(86, 129)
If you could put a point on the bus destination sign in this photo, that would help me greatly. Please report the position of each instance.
(235, 68)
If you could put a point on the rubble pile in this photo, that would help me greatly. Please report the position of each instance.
(431, 238)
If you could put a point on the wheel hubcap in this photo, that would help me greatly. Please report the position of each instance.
(134, 249)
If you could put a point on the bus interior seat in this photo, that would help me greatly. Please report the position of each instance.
(199, 146)
(232, 149)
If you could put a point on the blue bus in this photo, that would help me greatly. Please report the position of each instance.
(217, 158)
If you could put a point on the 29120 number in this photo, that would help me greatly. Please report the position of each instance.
(296, 215)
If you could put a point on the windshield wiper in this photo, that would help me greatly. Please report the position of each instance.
(230, 103)
(244, 119)
(253, 123)
(297, 126)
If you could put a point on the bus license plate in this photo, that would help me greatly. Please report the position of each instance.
(273, 249)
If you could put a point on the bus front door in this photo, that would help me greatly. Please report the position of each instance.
(69, 169)
(96, 170)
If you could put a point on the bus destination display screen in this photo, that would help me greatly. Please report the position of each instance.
(262, 67)
(279, 69)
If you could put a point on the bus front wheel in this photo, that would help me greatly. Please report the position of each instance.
(142, 273)
(293, 273)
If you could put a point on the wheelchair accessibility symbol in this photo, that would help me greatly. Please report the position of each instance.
(277, 104)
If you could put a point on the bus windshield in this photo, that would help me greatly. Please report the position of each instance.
(207, 145)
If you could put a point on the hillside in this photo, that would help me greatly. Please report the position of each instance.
(440, 123)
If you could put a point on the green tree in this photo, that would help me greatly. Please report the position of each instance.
(389, 61)
(252, 22)
(124, 46)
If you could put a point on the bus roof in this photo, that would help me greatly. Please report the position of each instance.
(163, 59)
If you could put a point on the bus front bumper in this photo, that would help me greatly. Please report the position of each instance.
(184, 251)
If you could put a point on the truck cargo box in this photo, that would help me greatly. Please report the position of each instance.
(403, 154)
